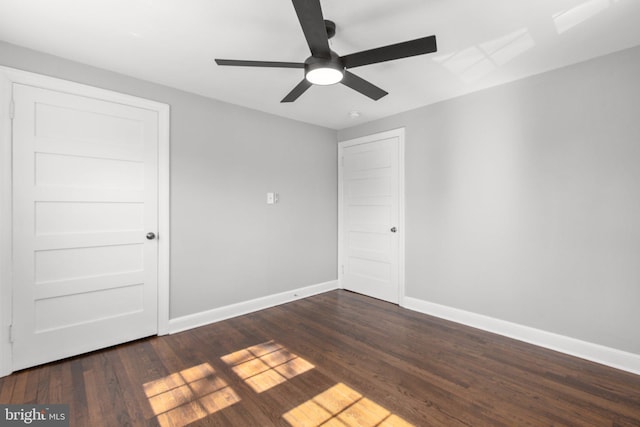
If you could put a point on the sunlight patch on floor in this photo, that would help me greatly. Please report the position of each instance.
(344, 407)
(266, 365)
(189, 395)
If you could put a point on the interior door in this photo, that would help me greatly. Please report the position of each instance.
(85, 194)
(370, 227)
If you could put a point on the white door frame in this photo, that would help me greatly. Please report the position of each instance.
(8, 76)
(399, 133)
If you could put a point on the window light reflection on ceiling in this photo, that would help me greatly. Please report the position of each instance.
(570, 18)
(476, 62)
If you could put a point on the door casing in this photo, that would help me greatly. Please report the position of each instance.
(9, 76)
(394, 133)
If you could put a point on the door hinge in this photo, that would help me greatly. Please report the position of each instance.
(342, 269)
(12, 109)
(10, 333)
(342, 161)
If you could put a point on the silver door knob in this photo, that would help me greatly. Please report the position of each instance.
(151, 236)
(393, 229)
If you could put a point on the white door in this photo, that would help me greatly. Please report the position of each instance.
(370, 189)
(85, 193)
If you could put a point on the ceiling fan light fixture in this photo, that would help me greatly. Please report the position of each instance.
(325, 76)
(324, 72)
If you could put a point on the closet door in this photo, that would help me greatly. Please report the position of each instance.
(370, 215)
(85, 197)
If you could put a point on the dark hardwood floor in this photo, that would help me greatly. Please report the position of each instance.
(336, 359)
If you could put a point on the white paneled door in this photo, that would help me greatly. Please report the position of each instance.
(85, 195)
(370, 215)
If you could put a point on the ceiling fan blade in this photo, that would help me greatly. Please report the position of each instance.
(391, 52)
(297, 91)
(361, 85)
(274, 64)
(312, 22)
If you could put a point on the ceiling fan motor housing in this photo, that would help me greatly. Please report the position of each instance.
(330, 26)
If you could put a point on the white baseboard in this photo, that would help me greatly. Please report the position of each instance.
(191, 321)
(618, 359)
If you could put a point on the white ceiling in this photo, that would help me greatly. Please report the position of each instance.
(173, 42)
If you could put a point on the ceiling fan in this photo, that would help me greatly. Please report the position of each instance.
(324, 66)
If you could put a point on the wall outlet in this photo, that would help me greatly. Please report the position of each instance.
(272, 198)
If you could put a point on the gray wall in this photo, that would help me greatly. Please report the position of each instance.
(523, 201)
(228, 246)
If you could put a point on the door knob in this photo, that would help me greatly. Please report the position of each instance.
(151, 236)
(393, 229)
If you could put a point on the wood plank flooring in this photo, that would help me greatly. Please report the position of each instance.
(336, 359)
